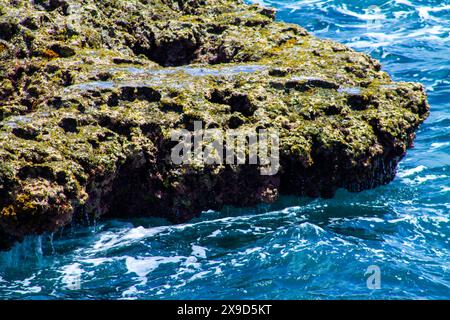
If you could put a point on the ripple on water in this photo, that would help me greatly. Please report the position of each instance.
(297, 248)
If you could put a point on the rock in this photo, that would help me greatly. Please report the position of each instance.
(91, 94)
(8, 29)
(62, 50)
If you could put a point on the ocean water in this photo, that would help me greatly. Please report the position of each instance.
(296, 248)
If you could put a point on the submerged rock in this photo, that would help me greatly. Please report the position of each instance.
(91, 90)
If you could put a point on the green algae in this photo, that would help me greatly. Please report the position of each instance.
(91, 92)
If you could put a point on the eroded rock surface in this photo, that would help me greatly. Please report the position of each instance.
(90, 91)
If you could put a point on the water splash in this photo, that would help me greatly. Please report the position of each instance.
(296, 248)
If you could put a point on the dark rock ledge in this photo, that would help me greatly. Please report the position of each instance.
(89, 91)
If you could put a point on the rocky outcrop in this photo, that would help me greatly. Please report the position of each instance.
(90, 91)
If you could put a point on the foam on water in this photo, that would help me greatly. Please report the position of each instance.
(143, 266)
(296, 248)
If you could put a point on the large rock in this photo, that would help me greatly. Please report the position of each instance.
(90, 91)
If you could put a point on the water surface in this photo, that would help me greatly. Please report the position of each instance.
(297, 248)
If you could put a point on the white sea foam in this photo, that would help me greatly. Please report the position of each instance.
(438, 145)
(141, 233)
(424, 12)
(95, 262)
(215, 233)
(26, 291)
(131, 292)
(199, 275)
(112, 239)
(251, 250)
(429, 177)
(405, 2)
(192, 262)
(143, 266)
(72, 275)
(199, 252)
(310, 226)
(410, 172)
(366, 16)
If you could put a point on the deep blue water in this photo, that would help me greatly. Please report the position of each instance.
(298, 248)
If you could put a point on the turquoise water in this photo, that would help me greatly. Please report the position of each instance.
(297, 248)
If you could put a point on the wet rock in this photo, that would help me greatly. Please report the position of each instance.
(62, 50)
(239, 102)
(268, 12)
(148, 94)
(51, 5)
(27, 133)
(90, 94)
(125, 61)
(307, 83)
(31, 23)
(8, 28)
(235, 121)
(69, 125)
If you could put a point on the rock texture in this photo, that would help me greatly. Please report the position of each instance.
(90, 90)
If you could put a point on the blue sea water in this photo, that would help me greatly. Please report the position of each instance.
(297, 248)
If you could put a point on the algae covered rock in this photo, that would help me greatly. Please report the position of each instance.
(91, 91)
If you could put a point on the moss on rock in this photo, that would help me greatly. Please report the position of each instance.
(92, 89)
